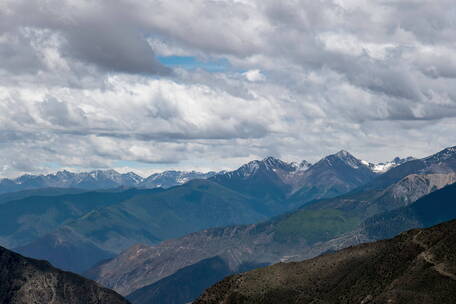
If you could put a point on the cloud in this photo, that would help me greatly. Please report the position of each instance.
(96, 33)
(254, 75)
(80, 85)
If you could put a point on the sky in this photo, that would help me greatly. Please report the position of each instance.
(150, 85)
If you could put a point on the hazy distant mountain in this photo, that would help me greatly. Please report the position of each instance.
(24, 220)
(147, 218)
(99, 179)
(12, 196)
(415, 267)
(25, 281)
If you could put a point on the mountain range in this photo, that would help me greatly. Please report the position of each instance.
(309, 231)
(252, 193)
(108, 179)
(145, 243)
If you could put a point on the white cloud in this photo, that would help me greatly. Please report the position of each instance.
(79, 85)
(254, 75)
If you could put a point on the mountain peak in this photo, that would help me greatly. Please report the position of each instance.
(343, 154)
(346, 158)
(270, 159)
(273, 163)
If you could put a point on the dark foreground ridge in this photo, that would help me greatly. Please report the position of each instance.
(25, 281)
(418, 266)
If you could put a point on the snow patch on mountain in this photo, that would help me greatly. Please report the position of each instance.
(386, 166)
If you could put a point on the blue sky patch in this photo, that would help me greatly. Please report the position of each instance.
(192, 63)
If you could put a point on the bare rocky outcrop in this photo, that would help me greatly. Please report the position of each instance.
(25, 281)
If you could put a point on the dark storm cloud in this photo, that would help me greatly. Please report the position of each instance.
(18, 55)
(94, 33)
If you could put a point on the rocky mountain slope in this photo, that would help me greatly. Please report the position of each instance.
(437, 207)
(25, 281)
(418, 266)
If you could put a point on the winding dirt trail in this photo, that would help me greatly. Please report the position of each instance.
(429, 258)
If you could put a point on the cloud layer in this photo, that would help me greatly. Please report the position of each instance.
(80, 85)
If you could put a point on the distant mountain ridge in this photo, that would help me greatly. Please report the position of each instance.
(108, 179)
(99, 179)
(23, 220)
